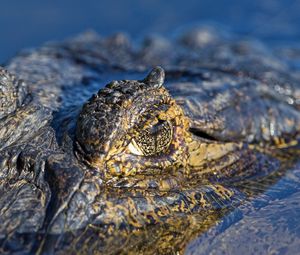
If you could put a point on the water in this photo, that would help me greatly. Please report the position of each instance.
(267, 225)
(254, 228)
(30, 23)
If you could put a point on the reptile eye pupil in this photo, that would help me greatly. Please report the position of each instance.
(155, 139)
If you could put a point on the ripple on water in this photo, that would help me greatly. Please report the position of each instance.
(273, 228)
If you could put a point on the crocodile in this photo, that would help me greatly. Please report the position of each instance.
(149, 161)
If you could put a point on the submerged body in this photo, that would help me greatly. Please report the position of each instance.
(142, 165)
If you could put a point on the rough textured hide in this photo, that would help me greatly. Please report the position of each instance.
(74, 177)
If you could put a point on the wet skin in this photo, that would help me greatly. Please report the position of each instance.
(144, 164)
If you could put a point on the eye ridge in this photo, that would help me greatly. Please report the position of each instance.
(156, 139)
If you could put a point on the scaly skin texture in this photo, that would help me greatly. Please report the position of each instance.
(141, 165)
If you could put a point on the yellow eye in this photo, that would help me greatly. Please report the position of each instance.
(153, 140)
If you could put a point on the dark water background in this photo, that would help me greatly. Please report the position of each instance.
(272, 228)
(29, 23)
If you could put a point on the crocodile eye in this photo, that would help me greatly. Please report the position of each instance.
(153, 140)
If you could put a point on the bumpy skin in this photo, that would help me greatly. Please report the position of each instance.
(70, 180)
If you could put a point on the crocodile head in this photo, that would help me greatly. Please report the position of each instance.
(156, 169)
(135, 131)
(148, 166)
(142, 167)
